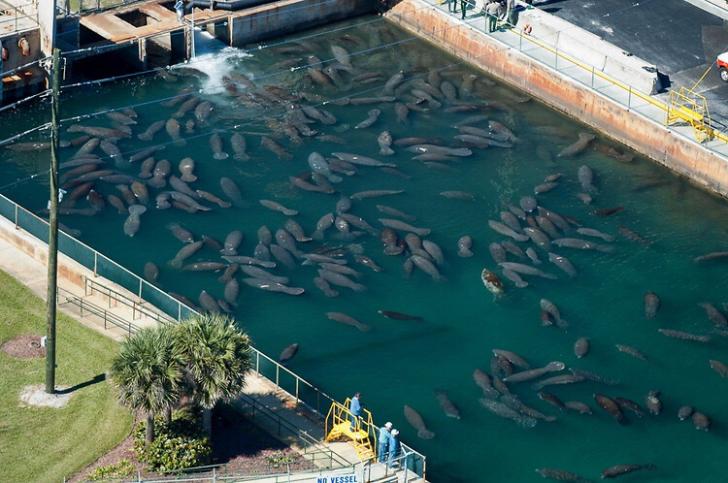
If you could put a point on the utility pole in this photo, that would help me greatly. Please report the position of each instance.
(50, 382)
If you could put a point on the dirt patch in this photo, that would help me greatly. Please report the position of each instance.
(24, 347)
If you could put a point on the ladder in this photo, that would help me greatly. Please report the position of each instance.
(362, 434)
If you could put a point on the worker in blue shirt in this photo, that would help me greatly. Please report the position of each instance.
(355, 409)
(383, 445)
(393, 450)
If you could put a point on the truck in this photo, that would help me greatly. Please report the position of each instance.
(722, 63)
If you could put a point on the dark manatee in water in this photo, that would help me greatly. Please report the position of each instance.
(652, 304)
(288, 353)
(416, 421)
(619, 470)
(559, 475)
(448, 407)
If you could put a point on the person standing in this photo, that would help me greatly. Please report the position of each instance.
(179, 7)
(491, 14)
(355, 409)
(463, 8)
(393, 449)
(383, 446)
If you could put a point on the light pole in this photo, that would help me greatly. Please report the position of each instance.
(50, 377)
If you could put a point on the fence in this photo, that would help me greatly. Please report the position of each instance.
(289, 382)
(541, 50)
(19, 17)
(66, 297)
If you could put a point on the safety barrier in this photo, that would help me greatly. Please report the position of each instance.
(529, 44)
(359, 430)
(65, 297)
(18, 12)
(286, 380)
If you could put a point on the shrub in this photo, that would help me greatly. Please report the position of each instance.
(178, 445)
(115, 471)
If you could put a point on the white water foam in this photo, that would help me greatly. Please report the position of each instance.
(217, 61)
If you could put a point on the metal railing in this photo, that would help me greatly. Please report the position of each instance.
(17, 12)
(114, 297)
(66, 297)
(290, 383)
(311, 447)
(590, 75)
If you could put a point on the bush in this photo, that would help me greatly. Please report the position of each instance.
(178, 445)
(115, 471)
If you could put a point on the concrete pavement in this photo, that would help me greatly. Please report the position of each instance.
(681, 39)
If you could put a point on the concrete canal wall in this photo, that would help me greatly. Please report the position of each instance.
(678, 153)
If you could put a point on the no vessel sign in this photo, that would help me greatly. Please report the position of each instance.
(338, 479)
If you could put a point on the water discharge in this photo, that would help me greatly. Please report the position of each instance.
(659, 222)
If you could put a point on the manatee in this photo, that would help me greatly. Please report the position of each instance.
(610, 406)
(133, 222)
(232, 191)
(259, 273)
(288, 353)
(595, 233)
(578, 406)
(151, 130)
(416, 421)
(458, 195)
(684, 412)
(237, 141)
(711, 256)
(652, 304)
(580, 244)
(448, 407)
(367, 262)
(526, 270)
(271, 286)
(151, 272)
(362, 195)
(700, 421)
(515, 278)
(577, 147)
(538, 237)
(483, 381)
(653, 403)
(361, 160)
(533, 256)
(390, 314)
(715, 316)
(180, 233)
(232, 290)
(232, 242)
(244, 260)
(619, 470)
(384, 140)
(586, 178)
(186, 168)
(720, 368)
(465, 244)
(679, 334)
(208, 303)
(325, 287)
(629, 350)
(500, 409)
(347, 320)
(581, 347)
(551, 399)
(388, 210)
(530, 374)
(512, 357)
(556, 380)
(340, 280)
(629, 405)
(401, 225)
(501, 228)
(275, 206)
(551, 309)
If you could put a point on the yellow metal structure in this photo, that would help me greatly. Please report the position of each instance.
(692, 108)
(362, 433)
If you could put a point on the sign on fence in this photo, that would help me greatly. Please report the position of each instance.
(352, 478)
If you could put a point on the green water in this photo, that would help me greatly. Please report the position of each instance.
(402, 362)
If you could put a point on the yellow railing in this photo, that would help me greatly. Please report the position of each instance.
(685, 105)
(359, 430)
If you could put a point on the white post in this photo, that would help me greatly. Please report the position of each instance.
(47, 24)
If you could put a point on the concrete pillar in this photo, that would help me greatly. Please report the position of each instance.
(47, 23)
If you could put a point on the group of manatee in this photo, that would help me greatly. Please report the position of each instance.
(123, 167)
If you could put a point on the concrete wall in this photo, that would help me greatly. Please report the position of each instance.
(288, 16)
(644, 135)
(591, 49)
(15, 58)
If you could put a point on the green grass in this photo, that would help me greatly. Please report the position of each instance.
(44, 445)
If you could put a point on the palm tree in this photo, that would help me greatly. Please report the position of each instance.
(148, 373)
(217, 357)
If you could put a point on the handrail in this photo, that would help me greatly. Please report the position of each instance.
(111, 294)
(182, 310)
(100, 312)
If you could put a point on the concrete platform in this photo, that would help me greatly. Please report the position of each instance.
(681, 39)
